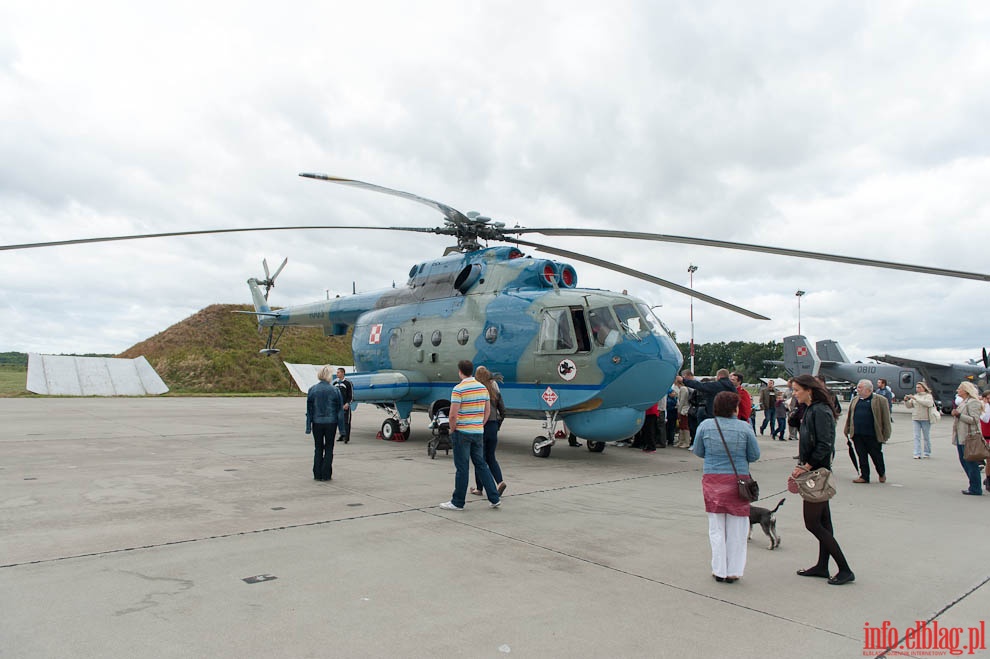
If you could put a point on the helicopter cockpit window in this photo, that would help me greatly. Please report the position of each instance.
(436, 338)
(653, 321)
(462, 336)
(418, 339)
(630, 321)
(555, 332)
(603, 327)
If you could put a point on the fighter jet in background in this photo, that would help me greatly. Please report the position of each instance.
(830, 360)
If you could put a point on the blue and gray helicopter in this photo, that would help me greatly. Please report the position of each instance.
(592, 359)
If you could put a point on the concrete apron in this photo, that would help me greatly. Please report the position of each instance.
(192, 526)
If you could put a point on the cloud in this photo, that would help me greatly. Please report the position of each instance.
(840, 127)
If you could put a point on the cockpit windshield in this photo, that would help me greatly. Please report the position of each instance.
(651, 319)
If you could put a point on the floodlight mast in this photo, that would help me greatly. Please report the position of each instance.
(691, 270)
(799, 294)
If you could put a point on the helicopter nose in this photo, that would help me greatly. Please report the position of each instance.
(642, 384)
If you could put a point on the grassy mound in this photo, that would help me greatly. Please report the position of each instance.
(216, 351)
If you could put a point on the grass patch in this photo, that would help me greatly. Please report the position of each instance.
(13, 380)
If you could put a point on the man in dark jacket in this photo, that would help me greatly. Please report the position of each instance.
(868, 423)
(709, 390)
(346, 395)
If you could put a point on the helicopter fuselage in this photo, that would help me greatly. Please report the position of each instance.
(598, 359)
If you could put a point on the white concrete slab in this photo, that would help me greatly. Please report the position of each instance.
(63, 375)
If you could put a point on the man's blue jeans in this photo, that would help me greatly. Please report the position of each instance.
(470, 448)
(769, 416)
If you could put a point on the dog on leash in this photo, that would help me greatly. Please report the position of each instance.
(765, 518)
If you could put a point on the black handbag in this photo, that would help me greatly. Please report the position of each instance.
(749, 490)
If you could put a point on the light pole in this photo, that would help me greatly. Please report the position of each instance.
(691, 270)
(799, 295)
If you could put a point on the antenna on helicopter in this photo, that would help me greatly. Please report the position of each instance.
(269, 281)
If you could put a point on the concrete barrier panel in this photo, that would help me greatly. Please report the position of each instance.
(304, 375)
(62, 375)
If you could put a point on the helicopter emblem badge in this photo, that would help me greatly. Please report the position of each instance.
(567, 369)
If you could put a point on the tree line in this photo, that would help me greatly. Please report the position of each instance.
(747, 357)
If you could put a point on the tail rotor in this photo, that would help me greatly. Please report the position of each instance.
(269, 281)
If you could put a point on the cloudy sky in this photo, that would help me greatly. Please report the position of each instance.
(848, 127)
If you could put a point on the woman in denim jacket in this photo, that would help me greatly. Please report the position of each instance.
(728, 513)
(323, 405)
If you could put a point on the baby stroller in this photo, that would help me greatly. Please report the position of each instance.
(440, 426)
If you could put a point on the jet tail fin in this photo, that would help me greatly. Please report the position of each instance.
(799, 358)
(830, 351)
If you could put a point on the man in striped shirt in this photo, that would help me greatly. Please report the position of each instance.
(469, 410)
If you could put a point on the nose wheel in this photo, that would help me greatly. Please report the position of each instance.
(541, 446)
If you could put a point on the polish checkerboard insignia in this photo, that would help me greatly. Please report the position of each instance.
(376, 334)
(802, 351)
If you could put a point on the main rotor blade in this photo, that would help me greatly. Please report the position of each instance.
(140, 236)
(642, 275)
(451, 214)
(659, 237)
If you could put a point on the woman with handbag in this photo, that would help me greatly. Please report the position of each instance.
(921, 405)
(815, 451)
(728, 445)
(966, 423)
(490, 380)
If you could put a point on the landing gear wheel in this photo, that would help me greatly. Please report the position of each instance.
(389, 428)
(538, 451)
(596, 447)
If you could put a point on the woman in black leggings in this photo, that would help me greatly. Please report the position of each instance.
(817, 433)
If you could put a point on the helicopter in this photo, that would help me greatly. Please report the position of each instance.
(593, 359)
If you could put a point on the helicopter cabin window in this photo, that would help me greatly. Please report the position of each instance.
(907, 379)
(603, 327)
(462, 336)
(418, 339)
(436, 338)
(556, 334)
(491, 334)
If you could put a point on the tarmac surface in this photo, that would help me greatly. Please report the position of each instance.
(140, 527)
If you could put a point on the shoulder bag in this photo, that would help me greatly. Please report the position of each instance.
(816, 485)
(933, 415)
(975, 449)
(749, 490)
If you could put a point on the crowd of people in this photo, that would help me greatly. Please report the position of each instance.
(715, 418)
